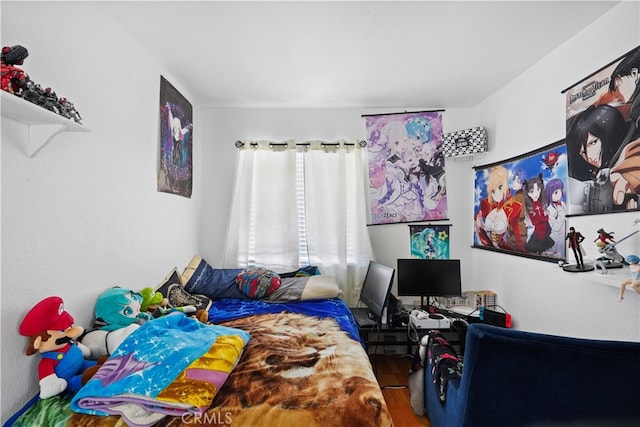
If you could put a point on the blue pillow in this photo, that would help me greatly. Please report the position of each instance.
(216, 283)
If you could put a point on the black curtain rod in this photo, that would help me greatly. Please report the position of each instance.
(601, 68)
(523, 156)
(408, 222)
(405, 112)
(361, 143)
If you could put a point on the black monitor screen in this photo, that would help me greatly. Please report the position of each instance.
(429, 277)
(376, 287)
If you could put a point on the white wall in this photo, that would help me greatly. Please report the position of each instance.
(525, 115)
(84, 214)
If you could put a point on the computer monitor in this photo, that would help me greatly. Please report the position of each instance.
(376, 287)
(429, 278)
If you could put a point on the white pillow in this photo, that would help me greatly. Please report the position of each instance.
(321, 286)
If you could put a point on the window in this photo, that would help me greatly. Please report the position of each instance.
(299, 205)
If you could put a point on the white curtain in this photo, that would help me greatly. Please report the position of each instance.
(302, 205)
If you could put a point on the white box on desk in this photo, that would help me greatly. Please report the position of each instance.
(428, 323)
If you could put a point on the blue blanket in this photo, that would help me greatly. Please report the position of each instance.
(230, 309)
(173, 365)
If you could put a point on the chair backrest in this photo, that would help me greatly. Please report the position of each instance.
(522, 378)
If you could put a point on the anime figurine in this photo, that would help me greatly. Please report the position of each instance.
(604, 237)
(634, 280)
(51, 333)
(574, 239)
(607, 246)
(611, 254)
(68, 110)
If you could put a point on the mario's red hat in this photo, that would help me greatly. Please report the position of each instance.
(46, 315)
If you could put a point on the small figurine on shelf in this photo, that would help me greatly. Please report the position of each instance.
(33, 93)
(15, 81)
(68, 110)
(604, 238)
(13, 78)
(634, 280)
(607, 247)
(574, 239)
(50, 101)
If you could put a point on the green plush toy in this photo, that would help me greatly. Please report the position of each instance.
(157, 305)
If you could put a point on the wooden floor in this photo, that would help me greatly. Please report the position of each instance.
(392, 370)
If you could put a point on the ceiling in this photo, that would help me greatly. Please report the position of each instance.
(322, 54)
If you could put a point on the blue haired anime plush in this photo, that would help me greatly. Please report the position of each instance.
(118, 308)
(118, 314)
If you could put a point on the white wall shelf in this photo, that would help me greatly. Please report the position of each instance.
(43, 124)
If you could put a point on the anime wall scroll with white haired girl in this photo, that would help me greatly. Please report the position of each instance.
(406, 167)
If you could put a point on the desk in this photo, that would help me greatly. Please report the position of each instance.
(376, 339)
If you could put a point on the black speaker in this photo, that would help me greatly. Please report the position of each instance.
(392, 305)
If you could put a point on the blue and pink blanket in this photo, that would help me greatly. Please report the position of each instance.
(173, 365)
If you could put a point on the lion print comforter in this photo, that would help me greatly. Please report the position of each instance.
(302, 366)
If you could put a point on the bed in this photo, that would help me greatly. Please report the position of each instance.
(293, 361)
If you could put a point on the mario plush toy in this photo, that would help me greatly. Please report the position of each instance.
(51, 332)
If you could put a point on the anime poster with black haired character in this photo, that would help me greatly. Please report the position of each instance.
(429, 241)
(520, 204)
(175, 160)
(603, 138)
(406, 167)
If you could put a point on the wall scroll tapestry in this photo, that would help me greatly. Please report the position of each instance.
(429, 241)
(603, 145)
(406, 167)
(520, 204)
(176, 136)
